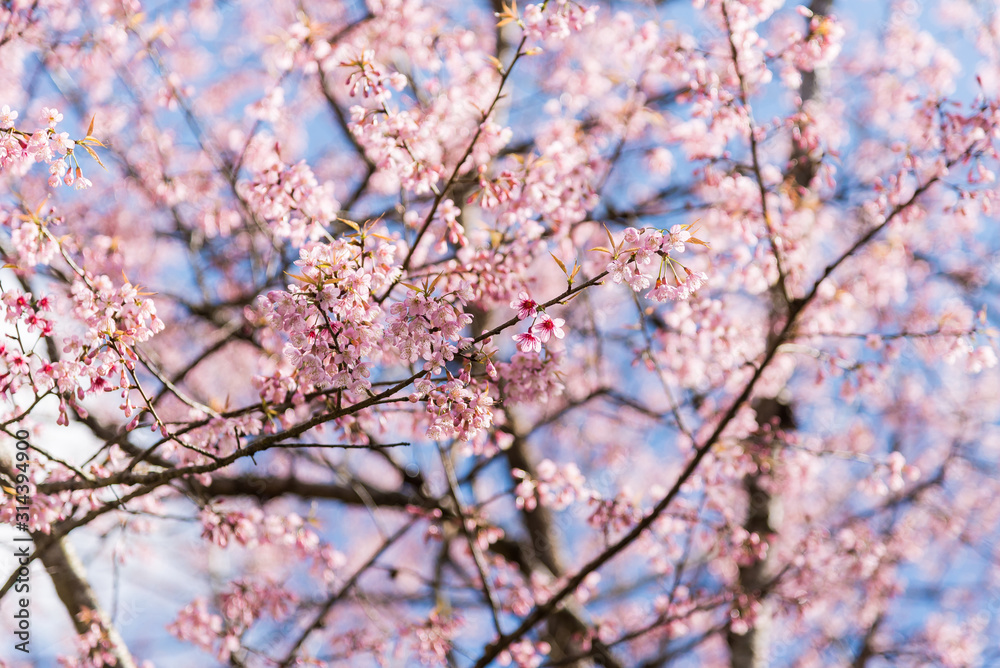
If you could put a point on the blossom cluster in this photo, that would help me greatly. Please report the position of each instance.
(19, 150)
(253, 527)
(434, 637)
(556, 187)
(115, 319)
(890, 476)
(642, 250)
(289, 199)
(525, 654)
(456, 409)
(543, 326)
(552, 486)
(30, 238)
(421, 326)
(367, 77)
(555, 21)
(416, 146)
(19, 367)
(94, 647)
(241, 605)
(529, 378)
(806, 50)
(332, 322)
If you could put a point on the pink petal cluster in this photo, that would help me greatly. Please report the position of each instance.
(529, 378)
(644, 250)
(555, 21)
(19, 149)
(289, 198)
(457, 410)
(427, 328)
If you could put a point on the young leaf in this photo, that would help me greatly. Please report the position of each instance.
(350, 223)
(614, 248)
(507, 15)
(93, 155)
(560, 263)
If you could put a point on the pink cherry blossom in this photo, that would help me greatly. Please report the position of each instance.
(528, 342)
(7, 117)
(525, 306)
(546, 327)
(51, 116)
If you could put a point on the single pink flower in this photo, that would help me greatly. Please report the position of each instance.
(528, 342)
(546, 327)
(525, 305)
(51, 116)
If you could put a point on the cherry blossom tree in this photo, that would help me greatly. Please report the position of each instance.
(470, 334)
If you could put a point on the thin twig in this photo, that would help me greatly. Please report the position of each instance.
(477, 554)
